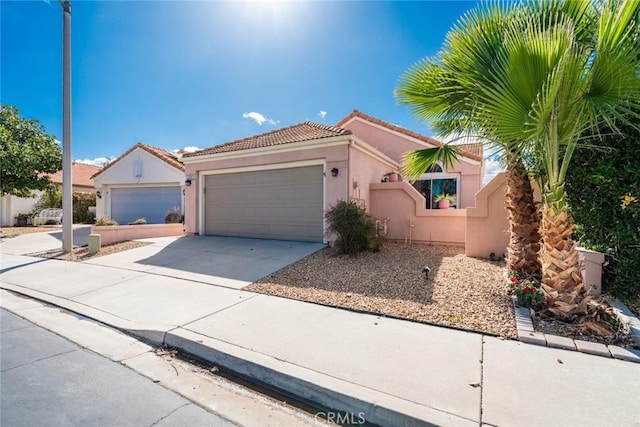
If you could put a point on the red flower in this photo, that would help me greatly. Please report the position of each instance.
(528, 289)
(513, 279)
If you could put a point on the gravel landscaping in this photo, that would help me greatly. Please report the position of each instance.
(461, 292)
(17, 231)
(81, 253)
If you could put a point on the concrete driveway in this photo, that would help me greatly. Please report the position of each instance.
(45, 241)
(224, 261)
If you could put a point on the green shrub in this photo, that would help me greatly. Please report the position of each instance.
(81, 204)
(353, 226)
(105, 221)
(51, 198)
(139, 221)
(597, 183)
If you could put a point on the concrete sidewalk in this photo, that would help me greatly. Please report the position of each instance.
(386, 371)
(44, 241)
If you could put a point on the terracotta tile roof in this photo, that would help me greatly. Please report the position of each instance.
(305, 131)
(164, 155)
(476, 149)
(81, 173)
(404, 131)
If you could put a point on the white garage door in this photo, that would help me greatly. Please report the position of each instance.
(150, 203)
(283, 204)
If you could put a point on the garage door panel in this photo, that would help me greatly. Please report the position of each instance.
(151, 203)
(277, 204)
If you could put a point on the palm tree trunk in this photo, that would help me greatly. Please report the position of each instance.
(562, 283)
(524, 223)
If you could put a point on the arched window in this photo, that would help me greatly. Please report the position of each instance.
(436, 181)
(434, 169)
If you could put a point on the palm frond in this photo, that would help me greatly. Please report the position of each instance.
(417, 162)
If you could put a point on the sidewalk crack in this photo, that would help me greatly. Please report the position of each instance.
(221, 310)
(41, 359)
(171, 413)
(481, 378)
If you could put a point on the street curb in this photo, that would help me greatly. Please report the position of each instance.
(320, 389)
(304, 384)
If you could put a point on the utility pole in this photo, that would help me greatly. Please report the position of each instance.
(67, 180)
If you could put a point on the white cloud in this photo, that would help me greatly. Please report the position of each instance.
(322, 114)
(191, 148)
(187, 149)
(98, 161)
(258, 118)
(491, 168)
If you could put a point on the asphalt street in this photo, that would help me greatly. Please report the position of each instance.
(47, 380)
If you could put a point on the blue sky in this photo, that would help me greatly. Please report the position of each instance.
(177, 74)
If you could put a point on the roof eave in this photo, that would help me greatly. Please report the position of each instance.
(290, 146)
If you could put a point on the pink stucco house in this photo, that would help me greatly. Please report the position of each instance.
(279, 184)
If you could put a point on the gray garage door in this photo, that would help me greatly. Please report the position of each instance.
(284, 204)
(151, 203)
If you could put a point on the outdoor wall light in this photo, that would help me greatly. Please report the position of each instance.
(99, 194)
(334, 172)
(187, 182)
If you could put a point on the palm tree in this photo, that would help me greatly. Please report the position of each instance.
(446, 90)
(558, 71)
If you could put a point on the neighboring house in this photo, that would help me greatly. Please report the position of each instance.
(279, 184)
(81, 173)
(144, 182)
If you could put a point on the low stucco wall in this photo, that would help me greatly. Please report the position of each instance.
(121, 233)
(487, 228)
(408, 219)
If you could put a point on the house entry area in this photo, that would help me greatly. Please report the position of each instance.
(432, 189)
(281, 204)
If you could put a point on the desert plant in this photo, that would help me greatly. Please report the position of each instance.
(446, 196)
(174, 216)
(353, 226)
(139, 221)
(105, 221)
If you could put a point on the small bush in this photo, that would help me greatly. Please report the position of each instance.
(139, 221)
(527, 292)
(81, 204)
(51, 198)
(173, 216)
(105, 221)
(353, 226)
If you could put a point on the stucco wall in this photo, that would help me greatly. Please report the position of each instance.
(364, 170)
(404, 207)
(10, 206)
(151, 169)
(123, 233)
(487, 223)
(336, 188)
